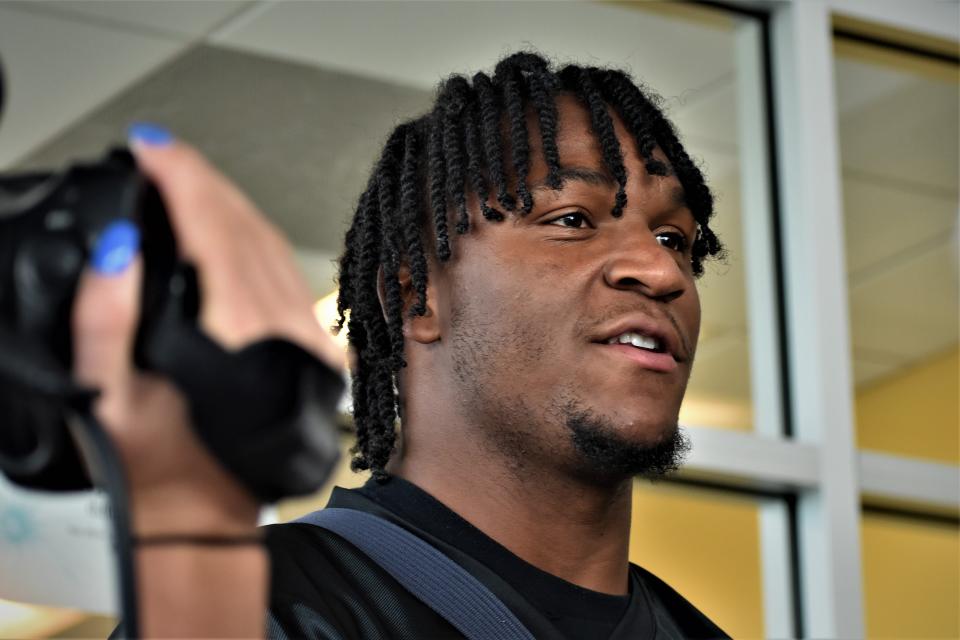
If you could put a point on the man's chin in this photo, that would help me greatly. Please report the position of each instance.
(604, 452)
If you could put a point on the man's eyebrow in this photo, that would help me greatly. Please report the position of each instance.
(590, 176)
(597, 178)
(679, 197)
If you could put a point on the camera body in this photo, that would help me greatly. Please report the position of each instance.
(48, 226)
(265, 412)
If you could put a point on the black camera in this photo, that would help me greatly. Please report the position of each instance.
(266, 412)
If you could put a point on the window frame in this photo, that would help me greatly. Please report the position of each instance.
(811, 538)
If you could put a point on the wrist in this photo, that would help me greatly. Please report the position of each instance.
(184, 509)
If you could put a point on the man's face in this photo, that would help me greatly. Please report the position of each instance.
(533, 304)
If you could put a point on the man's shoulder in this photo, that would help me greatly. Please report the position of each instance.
(307, 560)
(299, 550)
(322, 586)
(676, 617)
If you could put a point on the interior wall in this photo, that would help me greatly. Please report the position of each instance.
(916, 413)
(911, 577)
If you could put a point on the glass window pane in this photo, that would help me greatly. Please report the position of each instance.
(721, 125)
(898, 127)
(706, 545)
(911, 577)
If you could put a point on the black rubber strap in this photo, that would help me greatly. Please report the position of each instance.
(266, 411)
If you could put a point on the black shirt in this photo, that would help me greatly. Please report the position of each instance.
(325, 588)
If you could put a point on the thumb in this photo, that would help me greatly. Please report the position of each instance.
(107, 310)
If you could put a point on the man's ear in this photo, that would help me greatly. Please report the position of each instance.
(423, 329)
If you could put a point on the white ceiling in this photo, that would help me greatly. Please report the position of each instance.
(417, 43)
(159, 17)
(899, 150)
(57, 70)
(293, 98)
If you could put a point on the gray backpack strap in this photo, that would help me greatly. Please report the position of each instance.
(424, 571)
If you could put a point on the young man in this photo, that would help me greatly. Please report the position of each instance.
(520, 284)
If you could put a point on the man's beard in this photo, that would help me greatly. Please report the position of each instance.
(605, 453)
(516, 429)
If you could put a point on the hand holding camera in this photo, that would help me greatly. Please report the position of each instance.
(157, 339)
(251, 291)
(191, 312)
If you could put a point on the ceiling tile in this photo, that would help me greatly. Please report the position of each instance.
(58, 70)
(418, 43)
(301, 143)
(911, 310)
(919, 118)
(187, 20)
(883, 220)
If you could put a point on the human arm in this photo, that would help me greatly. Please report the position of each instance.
(251, 289)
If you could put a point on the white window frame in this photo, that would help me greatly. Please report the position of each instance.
(820, 465)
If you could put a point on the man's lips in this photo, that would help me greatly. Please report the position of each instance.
(653, 360)
(664, 332)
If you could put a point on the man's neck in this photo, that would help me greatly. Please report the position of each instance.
(569, 528)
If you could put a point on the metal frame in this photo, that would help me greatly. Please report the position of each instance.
(752, 462)
(745, 462)
(813, 550)
(929, 485)
(829, 522)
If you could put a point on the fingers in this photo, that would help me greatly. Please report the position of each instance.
(105, 317)
(195, 193)
(251, 286)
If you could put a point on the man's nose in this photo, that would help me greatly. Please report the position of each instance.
(638, 262)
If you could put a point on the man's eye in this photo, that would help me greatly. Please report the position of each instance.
(672, 240)
(571, 221)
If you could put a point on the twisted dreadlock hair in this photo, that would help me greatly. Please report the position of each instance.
(420, 185)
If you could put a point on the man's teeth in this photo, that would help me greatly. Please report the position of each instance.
(637, 340)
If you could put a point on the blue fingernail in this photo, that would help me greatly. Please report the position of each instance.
(116, 248)
(150, 134)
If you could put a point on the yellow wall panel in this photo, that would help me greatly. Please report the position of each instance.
(706, 545)
(914, 414)
(911, 578)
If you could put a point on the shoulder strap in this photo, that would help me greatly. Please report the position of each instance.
(424, 571)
